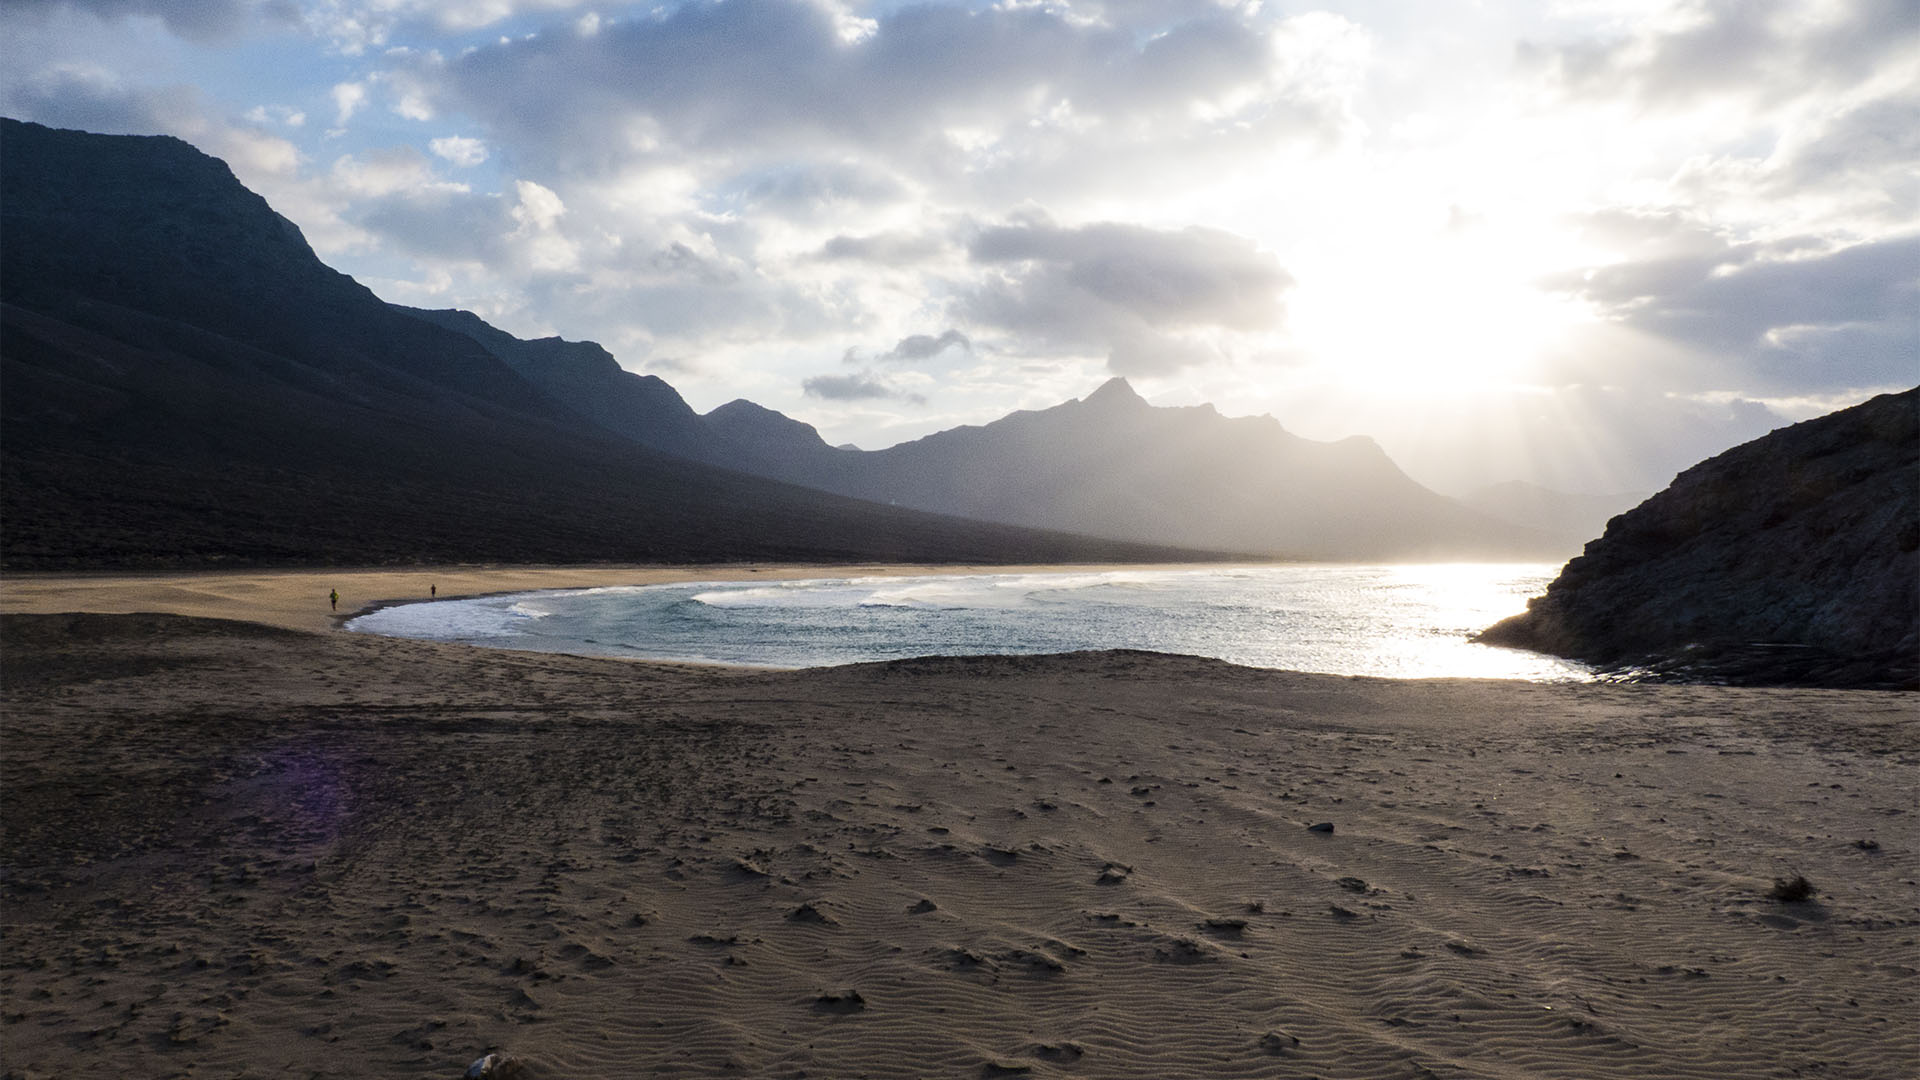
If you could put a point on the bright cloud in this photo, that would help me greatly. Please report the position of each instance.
(460, 150)
(348, 97)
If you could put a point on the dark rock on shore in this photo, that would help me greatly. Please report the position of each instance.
(1790, 560)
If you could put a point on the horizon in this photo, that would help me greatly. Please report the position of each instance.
(1584, 247)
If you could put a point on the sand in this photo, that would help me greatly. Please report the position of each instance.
(234, 849)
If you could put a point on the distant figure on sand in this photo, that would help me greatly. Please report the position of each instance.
(433, 591)
(333, 597)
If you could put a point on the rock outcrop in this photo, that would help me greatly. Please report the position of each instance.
(1792, 559)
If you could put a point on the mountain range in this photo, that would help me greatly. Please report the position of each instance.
(187, 383)
(1106, 465)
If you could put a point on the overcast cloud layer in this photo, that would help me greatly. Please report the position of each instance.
(1582, 243)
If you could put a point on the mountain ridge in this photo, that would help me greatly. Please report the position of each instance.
(1108, 464)
(186, 384)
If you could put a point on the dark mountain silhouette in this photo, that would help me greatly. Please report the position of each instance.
(645, 409)
(1794, 558)
(1112, 465)
(1562, 515)
(1109, 465)
(585, 378)
(182, 382)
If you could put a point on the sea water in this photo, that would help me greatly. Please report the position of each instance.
(1404, 621)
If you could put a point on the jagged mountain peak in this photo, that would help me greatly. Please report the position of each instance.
(741, 407)
(753, 426)
(1115, 393)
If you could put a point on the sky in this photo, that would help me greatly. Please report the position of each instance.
(1582, 243)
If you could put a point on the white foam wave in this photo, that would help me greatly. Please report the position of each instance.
(951, 594)
(811, 594)
(446, 620)
(1343, 619)
(998, 592)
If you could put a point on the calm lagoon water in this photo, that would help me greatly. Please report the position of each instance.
(1409, 621)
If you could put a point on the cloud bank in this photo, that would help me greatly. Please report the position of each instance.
(1697, 211)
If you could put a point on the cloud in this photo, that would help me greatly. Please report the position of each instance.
(263, 115)
(194, 20)
(861, 386)
(1123, 288)
(384, 172)
(1789, 315)
(395, 197)
(356, 27)
(1146, 353)
(1871, 146)
(925, 347)
(537, 213)
(811, 190)
(455, 226)
(1769, 117)
(348, 98)
(92, 99)
(89, 98)
(1751, 48)
(460, 150)
(772, 77)
(883, 249)
(781, 171)
(1003, 197)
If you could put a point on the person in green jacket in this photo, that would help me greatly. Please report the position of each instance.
(334, 599)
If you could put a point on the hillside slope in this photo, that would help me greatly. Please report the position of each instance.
(185, 383)
(1792, 558)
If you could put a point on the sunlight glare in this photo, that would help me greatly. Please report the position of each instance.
(1449, 314)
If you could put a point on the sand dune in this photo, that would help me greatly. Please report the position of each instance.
(233, 850)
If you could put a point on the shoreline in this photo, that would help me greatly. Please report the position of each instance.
(291, 599)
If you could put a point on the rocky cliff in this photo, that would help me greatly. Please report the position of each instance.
(1792, 559)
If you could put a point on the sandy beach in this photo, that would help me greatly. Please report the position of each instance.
(266, 848)
(298, 599)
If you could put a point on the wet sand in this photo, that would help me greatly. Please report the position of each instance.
(234, 849)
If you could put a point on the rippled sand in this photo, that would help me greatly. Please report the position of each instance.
(233, 850)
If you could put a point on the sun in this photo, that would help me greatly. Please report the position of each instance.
(1450, 313)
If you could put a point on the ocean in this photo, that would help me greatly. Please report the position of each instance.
(1400, 621)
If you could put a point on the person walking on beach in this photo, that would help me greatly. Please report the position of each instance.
(333, 598)
(433, 592)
